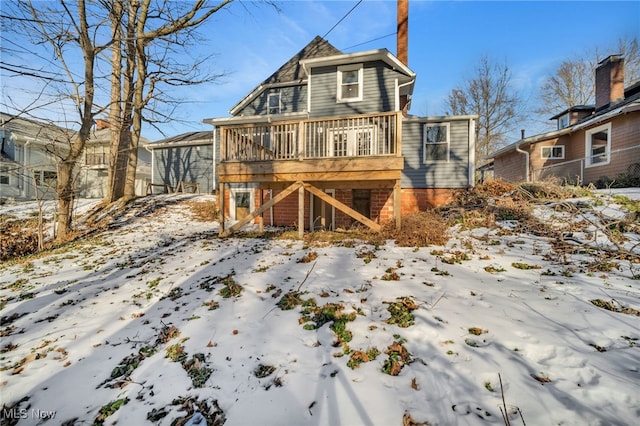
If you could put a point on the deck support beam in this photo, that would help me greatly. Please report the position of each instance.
(301, 212)
(397, 204)
(221, 204)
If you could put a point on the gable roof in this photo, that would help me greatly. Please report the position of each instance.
(38, 131)
(291, 72)
(628, 105)
(184, 139)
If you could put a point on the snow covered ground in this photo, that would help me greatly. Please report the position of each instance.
(141, 324)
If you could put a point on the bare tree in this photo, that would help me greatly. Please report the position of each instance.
(487, 94)
(71, 31)
(149, 45)
(572, 82)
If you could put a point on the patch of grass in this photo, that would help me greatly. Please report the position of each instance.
(176, 353)
(230, 289)
(494, 269)
(358, 357)
(211, 304)
(401, 312)
(317, 316)
(366, 255)
(439, 271)
(525, 266)
(390, 275)
(289, 301)
(109, 409)
(197, 371)
(398, 357)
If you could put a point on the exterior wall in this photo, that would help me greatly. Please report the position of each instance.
(193, 163)
(292, 99)
(625, 136)
(625, 133)
(441, 174)
(414, 200)
(378, 91)
(510, 167)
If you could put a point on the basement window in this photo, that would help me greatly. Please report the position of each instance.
(436, 142)
(350, 83)
(553, 152)
(598, 145)
(4, 175)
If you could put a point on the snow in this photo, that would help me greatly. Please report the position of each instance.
(532, 336)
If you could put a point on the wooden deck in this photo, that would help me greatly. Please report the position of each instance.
(356, 152)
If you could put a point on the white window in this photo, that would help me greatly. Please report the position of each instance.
(598, 145)
(563, 121)
(553, 152)
(275, 107)
(436, 142)
(350, 83)
(241, 203)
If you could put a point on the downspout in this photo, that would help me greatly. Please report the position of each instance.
(526, 156)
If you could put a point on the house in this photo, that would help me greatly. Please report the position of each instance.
(326, 141)
(93, 179)
(186, 158)
(27, 160)
(591, 144)
(31, 150)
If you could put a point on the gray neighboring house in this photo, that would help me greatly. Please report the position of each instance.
(30, 152)
(188, 158)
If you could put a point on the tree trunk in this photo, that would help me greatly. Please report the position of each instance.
(65, 199)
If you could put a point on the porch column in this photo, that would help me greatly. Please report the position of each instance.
(221, 204)
(301, 212)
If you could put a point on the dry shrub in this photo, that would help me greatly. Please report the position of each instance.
(547, 190)
(18, 238)
(419, 229)
(495, 188)
(204, 211)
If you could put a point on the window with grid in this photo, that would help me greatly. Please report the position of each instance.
(436, 142)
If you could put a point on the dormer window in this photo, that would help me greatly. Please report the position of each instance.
(275, 106)
(563, 121)
(350, 83)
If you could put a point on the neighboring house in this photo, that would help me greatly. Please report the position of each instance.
(93, 180)
(27, 162)
(326, 141)
(186, 158)
(592, 142)
(31, 150)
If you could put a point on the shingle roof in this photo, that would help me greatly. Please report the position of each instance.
(292, 70)
(205, 136)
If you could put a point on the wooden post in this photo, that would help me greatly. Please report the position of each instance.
(261, 217)
(301, 212)
(221, 204)
(397, 204)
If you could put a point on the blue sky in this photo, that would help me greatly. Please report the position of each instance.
(250, 41)
(446, 39)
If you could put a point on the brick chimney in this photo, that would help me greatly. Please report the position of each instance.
(403, 44)
(609, 81)
(101, 123)
(403, 31)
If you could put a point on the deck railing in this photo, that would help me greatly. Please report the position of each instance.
(355, 136)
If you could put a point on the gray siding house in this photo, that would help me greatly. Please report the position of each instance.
(327, 140)
(186, 158)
